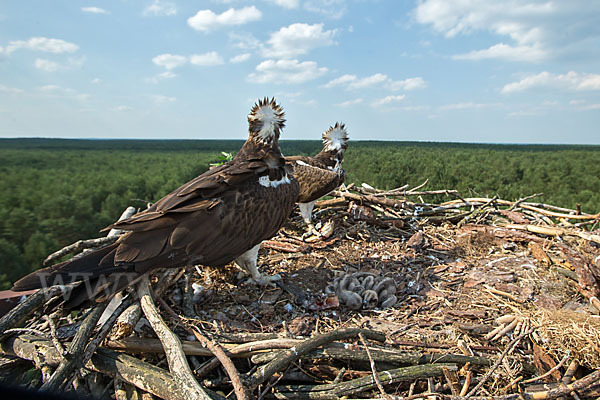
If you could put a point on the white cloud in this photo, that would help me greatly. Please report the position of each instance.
(467, 106)
(349, 103)
(506, 52)
(408, 84)
(62, 92)
(207, 20)
(46, 65)
(570, 81)
(160, 99)
(351, 82)
(160, 8)
(162, 76)
(240, 58)
(5, 89)
(122, 108)
(290, 4)
(47, 45)
(207, 59)
(297, 39)
(95, 81)
(286, 71)
(94, 10)
(53, 66)
(536, 30)
(169, 61)
(388, 100)
(334, 9)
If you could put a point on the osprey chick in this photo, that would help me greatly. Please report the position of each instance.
(219, 216)
(322, 173)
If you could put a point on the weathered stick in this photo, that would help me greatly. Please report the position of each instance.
(337, 390)
(20, 313)
(284, 358)
(188, 387)
(80, 245)
(373, 369)
(108, 362)
(73, 359)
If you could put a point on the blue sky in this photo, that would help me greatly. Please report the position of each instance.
(431, 70)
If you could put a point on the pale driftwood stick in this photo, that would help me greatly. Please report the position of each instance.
(145, 376)
(286, 357)
(188, 387)
(72, 360)
(246, 350)
(385, 356)
(427, 192)
(359, 385)
(418, 187)
(215, 348)
(129, 211)
(127, 321)
(20, 313)
(373, 369)
(511, 346)
(523, 199)
(370, 198)
(80, 245)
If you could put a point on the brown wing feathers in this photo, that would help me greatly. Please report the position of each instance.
(210, 220)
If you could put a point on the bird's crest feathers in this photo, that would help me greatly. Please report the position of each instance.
(335, 138)
(266, 119)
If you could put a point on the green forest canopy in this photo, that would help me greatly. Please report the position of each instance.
(54, 191)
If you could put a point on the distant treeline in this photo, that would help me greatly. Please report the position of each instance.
(54, 191)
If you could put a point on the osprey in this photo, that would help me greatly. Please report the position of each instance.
(322, 173)
(220, 216)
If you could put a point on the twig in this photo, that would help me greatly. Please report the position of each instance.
(187, 384)
(72, 360)
(511, 346)
(215, 349)
(521, 200)
(373, 370)
(20, 313)
(54, 336)
(284, 358)
(80, 245)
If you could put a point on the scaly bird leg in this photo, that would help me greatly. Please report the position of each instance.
(306, 213)
(247, 262)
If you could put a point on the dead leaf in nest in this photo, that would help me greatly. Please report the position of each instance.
(538, 253)
(302, 326)
(516, 217)
(417, 241)
(469, 283)
(544, 363)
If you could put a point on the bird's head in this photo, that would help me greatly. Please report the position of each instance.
(265, 121)
(335, 142)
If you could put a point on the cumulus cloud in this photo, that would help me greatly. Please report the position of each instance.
(62, 92)
(160, 99)
(297, 39)
(207, 20)
(349, 103)
(286, 71)
(239, 58)
(388, 100)
(94, 10)
(467, 106)
(207, 59)
(53, 66)
(6, 89)
(162, 76)
(334, 9)
(169, 61)
(160, 8)
(47, 45)
(290, 4)
(536, 29)
(572, 80)
(351, 82)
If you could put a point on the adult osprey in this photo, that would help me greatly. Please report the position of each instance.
(322, 173)
(220, 216)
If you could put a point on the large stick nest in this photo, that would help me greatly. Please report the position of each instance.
(509, 286)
